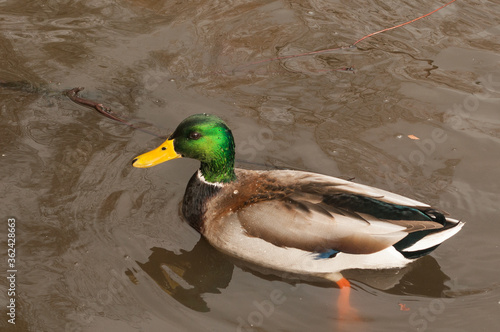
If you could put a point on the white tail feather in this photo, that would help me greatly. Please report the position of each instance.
(436, 238)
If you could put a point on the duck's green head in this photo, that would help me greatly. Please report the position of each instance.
(203, 137)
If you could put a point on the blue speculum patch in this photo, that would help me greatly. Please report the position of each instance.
(327, 254)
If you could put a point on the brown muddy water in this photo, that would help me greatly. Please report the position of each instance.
(100, 245)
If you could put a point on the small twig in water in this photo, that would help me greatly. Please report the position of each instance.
(104, 110)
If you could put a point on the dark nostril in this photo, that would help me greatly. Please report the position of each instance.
(163, 148)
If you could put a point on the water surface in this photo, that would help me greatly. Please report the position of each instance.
(101, 245)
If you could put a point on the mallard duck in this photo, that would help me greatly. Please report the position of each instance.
(293, 221)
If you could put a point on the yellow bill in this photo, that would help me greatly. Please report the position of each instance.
(157, 156)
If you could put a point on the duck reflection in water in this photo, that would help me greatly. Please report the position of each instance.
(188, 275)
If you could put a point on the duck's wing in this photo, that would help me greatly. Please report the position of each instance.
(320, 214)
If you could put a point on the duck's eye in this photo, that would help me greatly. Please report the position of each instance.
(194, 135)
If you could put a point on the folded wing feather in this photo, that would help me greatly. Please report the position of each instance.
(309, 221)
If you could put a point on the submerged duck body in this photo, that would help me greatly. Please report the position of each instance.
(292, 221)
